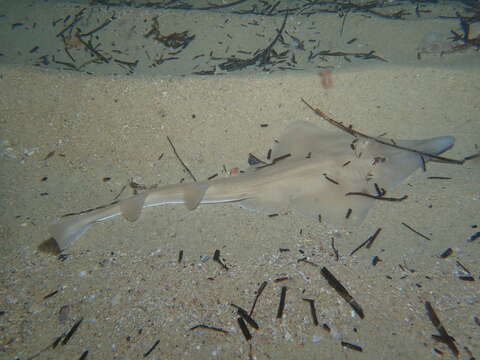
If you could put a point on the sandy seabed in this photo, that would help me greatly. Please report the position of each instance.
(71, 142)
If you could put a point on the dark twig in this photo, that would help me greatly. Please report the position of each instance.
(367, 243)
(259, 292)
(365, 56)
(221, 6)
(351, 346)
(244, 314)
(340, 289)
(313, 311)
(281, 305)
(76, 19)
(415, 231)
(180, 160)
(384, 198)
(335, 251)
(262, 57)
(208, 327)
(444, 337)
(98, 28)
(216, 258)
(356, 133)
(149, 351)
(72, 331)
(88, 45)
(244, 328)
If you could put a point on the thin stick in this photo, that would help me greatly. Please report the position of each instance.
(340, 289)
(244, 329)
(181, 161)
(72, 331)
(259, 292)
(378, 197)
(204, 326)
(415, 231)
(149, 351)
(244, 314)
(444, 336)
(313, 311)
(357, 133)
(281, 305)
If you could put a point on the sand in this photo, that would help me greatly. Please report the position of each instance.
(71, 141)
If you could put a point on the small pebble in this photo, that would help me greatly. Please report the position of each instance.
(316, 339)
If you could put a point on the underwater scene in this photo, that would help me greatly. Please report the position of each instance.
(239, 179)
